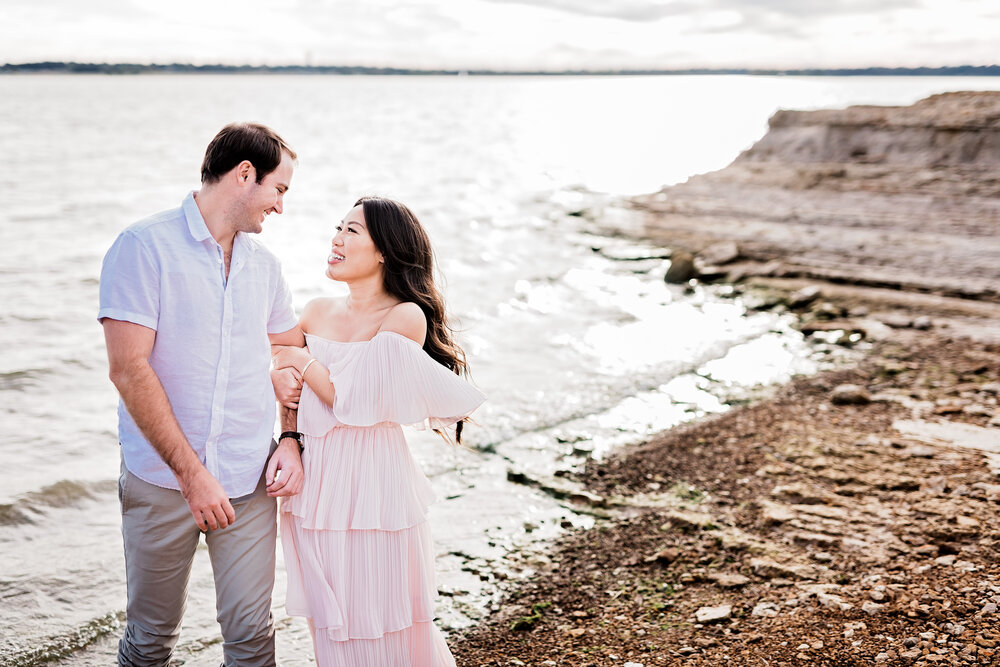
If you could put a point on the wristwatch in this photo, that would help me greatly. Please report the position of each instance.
(294, 435)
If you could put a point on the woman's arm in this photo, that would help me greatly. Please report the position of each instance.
(313, 373)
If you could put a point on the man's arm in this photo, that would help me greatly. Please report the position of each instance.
(129, 347)
(286, 458)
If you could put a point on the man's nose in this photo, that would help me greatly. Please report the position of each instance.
(278, 205)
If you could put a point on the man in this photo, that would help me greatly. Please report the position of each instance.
(189, 302)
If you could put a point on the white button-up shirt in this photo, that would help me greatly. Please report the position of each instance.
(211, 352)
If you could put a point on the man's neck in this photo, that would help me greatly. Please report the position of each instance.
(214, 213)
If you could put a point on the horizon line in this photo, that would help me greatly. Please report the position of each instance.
(74, 67)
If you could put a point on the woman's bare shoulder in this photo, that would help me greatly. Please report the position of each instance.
(319, 310)
(407, 319)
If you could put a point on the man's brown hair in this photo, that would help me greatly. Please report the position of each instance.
(257, 143)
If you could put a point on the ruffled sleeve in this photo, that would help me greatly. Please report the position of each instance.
(389, 379)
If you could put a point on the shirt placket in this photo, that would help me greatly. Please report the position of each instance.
(222, 371)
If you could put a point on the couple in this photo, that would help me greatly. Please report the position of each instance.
(192, 308)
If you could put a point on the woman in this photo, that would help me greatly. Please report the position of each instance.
(357, 547)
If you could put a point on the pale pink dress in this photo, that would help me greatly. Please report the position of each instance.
(357, 546)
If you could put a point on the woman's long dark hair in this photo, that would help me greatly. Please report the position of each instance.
(409, 276)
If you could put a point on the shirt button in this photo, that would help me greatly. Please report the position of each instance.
(219, 259)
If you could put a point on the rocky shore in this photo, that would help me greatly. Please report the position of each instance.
(854, 517)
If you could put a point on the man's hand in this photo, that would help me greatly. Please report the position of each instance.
(285, 356)
(284, 475)
(287, 386)
(207, 501)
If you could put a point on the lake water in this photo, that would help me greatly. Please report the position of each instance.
(578, 351)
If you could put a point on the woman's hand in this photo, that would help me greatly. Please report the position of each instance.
(287, 386)
(287, 356)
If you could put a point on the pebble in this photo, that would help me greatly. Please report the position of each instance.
(989, 608)
(882, 657)
(850, 394)
(633, 664)
(726, 580)
(766, 609)
(953, 629)
(713, 614)
(871, 608)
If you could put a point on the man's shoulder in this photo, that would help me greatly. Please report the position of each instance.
(261, 253)
(162, 223)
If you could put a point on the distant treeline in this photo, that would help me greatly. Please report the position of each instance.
(180, 68)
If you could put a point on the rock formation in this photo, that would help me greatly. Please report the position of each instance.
(899, 197)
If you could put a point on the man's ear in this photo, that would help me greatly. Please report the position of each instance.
(245, 171)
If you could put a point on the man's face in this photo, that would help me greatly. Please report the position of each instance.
(262, 199)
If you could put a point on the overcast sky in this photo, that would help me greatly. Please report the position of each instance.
(507, 34)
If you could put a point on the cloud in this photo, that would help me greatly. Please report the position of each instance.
(507, 34)
(755, 12)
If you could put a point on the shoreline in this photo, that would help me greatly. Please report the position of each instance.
(851, 518)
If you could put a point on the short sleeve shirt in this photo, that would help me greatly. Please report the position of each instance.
(211, 350)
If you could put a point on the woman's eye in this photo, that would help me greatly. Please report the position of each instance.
(337, 228)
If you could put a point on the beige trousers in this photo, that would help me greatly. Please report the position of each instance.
(160, 542)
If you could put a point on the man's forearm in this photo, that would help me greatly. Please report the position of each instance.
(288, 418)
(147, 402)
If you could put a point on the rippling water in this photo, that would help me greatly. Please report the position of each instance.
(576, 339)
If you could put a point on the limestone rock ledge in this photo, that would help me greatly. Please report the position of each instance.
(900, 197)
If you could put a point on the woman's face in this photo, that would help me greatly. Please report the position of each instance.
(353, 254)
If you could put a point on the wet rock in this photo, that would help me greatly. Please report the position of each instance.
(707, 615)
(681, 267)
(922, 323)
(804, 297)
(850, 394)
(720, 253)
(824, 310)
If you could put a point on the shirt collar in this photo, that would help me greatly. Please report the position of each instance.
(196, 223)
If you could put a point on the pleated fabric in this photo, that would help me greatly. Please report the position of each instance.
(357, 546)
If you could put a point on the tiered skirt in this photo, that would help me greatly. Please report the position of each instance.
(358, 551)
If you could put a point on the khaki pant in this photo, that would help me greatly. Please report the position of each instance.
(160, 542)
